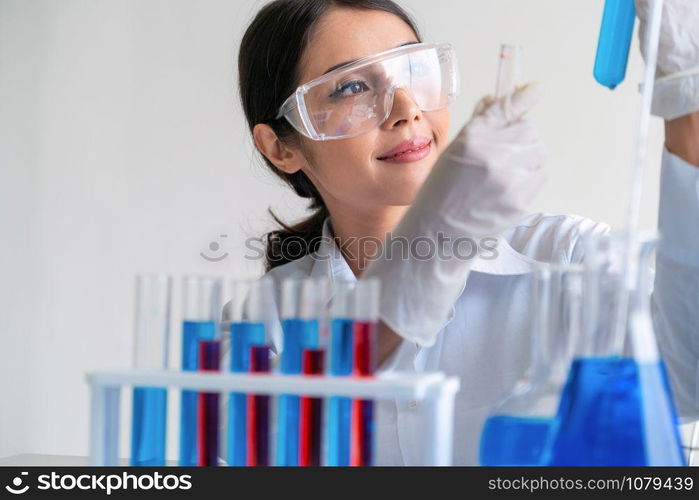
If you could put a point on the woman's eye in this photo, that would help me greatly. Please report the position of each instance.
(349, 89)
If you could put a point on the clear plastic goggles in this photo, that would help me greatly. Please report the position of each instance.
(358, 97)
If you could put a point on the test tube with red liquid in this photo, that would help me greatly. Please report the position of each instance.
(366, 317)
(207, 405)
(258, 412)
(310, 432)
(304, 327)
(201, 312)
(249, 312)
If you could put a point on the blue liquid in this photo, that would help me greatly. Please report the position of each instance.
(192, 333)
(148, 425)
(341, 347)
(515, 441)
(243, 336)
(299, 334)
(614, 42)
(604, 420)
(340, 408)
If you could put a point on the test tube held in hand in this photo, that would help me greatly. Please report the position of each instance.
(509, 70)
(151, 338)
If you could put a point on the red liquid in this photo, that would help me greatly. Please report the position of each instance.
(311, 413)
(258, 412)
(362, 434)
(207, 406)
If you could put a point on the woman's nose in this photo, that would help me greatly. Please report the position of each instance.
(404, 110)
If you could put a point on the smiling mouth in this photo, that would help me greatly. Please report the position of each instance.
(407, 151)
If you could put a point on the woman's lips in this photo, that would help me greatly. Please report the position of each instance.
(415, 154)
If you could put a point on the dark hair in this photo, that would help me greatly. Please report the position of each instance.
(268, 73)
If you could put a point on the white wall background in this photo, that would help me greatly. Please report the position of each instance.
(123, 149)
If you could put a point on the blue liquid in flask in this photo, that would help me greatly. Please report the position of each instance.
(299, 334)
(192, 333)
(340, 407)
(243, 336)
(149, 419)
(515, 441)
(610, 409)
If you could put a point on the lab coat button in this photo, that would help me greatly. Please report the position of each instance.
(412, 404)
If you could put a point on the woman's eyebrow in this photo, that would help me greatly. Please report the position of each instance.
(350, 62)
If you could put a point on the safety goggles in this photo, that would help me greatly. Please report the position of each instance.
(358, 96)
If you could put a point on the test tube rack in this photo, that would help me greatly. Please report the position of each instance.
(434, 390)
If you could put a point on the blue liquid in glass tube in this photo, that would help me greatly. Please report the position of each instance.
(340, 407)
(602, 415)
(515, 441)
(149, 419)
(243, 336)
(614, 42)
(299, 334)
(192, 333)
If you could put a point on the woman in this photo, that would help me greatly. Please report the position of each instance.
(384, 167)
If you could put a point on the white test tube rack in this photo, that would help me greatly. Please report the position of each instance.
(435, 391)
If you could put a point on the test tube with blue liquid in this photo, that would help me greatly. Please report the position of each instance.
(249, 312)
(303, 300)
(616, 32)
(201, 311)
(152, 332)
(365, 338)
(340, 365)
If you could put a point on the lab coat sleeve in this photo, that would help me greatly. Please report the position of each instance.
(675, 298)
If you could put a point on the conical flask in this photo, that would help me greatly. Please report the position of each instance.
(520, 428)
(617, 408)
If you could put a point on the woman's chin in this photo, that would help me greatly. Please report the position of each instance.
(402, 193)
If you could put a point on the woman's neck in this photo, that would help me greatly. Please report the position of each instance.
(360, 235)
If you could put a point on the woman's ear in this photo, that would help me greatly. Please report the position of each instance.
(283, 157)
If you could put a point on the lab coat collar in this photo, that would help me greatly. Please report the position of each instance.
(329, 262)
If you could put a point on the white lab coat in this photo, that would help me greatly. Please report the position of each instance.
(487, 341)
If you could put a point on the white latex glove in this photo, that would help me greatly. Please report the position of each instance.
(676, 91)
(480, 186)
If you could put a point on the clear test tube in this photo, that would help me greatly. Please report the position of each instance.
(509, 70)
(340, 364)
(302, 310)
(151, 338)
(249, 309)
(366, 318)
(201, 311)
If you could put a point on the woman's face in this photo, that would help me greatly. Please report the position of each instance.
(353, 174)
